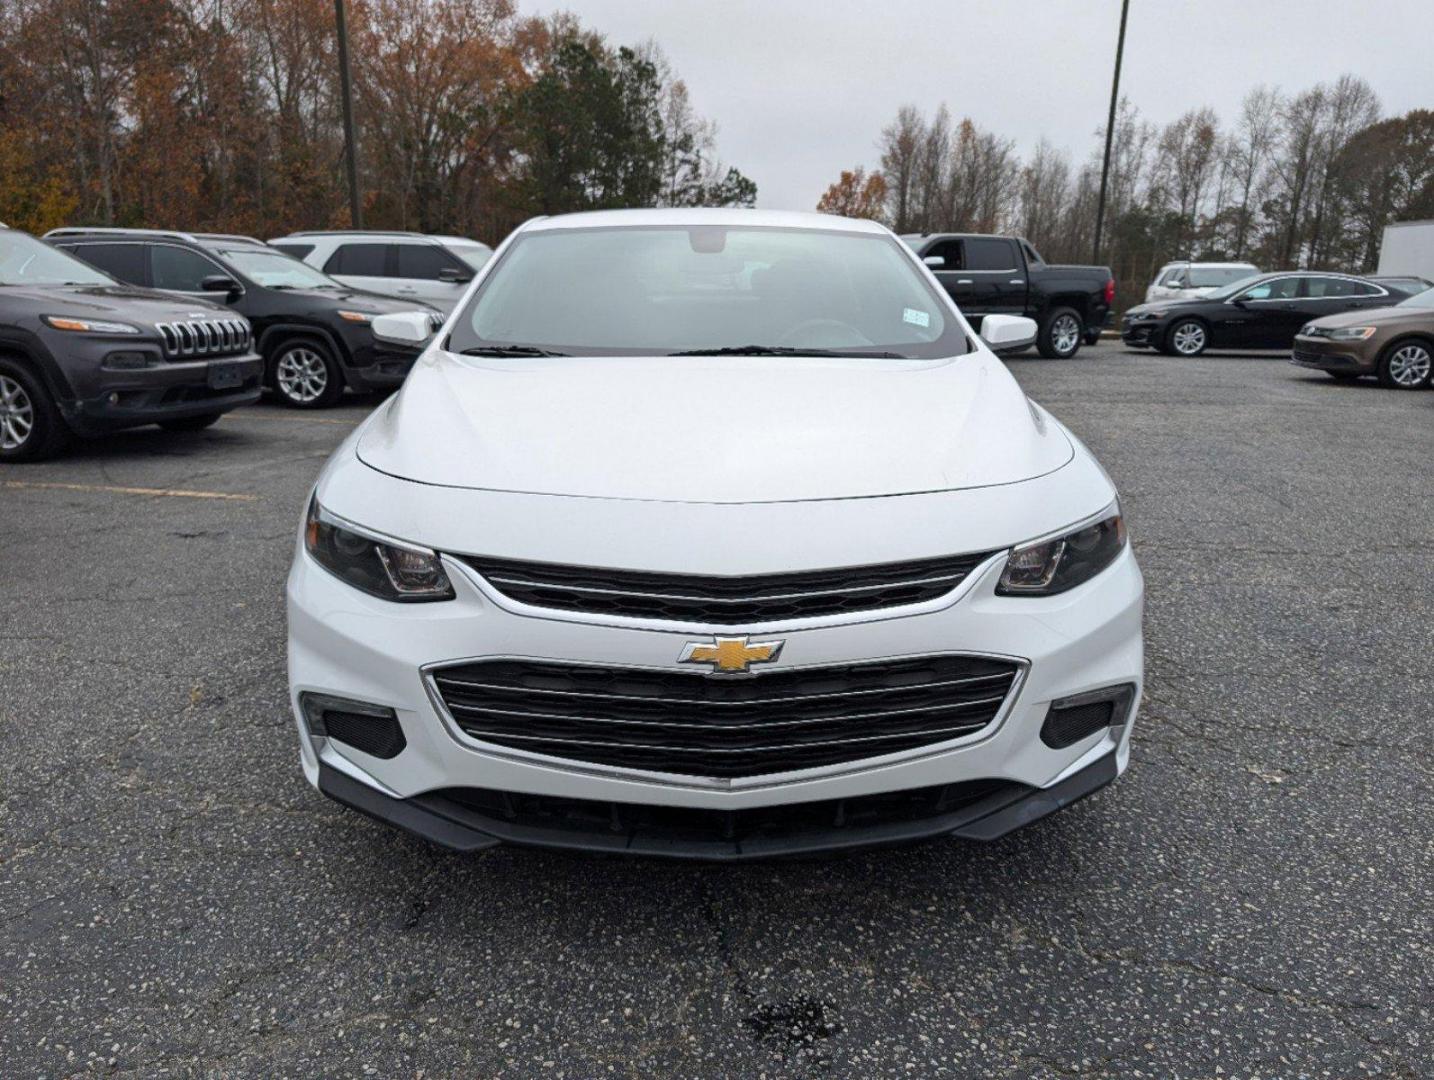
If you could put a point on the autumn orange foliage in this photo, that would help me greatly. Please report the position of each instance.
(224, 114)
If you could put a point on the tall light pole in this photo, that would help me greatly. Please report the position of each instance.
(1109, 131)
(347, 92)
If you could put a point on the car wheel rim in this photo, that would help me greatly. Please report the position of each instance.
(1410, 365)
(17, 414)
(1189, 338)
(302, 375)
(1065, 334)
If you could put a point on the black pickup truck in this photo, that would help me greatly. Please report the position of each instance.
(1004, 275)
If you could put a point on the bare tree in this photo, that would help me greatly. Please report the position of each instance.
(932, 164)
(1185, 168)
(900, 145)
(1351, 106)
(1249, 150)
(1044, 193)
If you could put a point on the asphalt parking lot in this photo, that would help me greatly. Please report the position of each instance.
(1252, 899)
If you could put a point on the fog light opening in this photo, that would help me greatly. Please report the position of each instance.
(1069, 720)
(372, 729)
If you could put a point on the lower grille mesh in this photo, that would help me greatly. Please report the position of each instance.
(700, 725)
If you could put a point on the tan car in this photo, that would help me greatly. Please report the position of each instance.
(1394, 343)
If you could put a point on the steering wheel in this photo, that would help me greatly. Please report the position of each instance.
(802, 334)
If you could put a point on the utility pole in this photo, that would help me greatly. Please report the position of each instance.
(347, 91)
(1109, 131)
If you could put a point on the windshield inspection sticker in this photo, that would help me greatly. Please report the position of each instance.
(917, 318)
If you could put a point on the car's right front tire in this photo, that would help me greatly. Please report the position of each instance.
(305, 375)
(1060, 334)
(1407, 365)
(31, 428)
(1187, 338)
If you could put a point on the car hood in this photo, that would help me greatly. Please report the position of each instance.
(1384, 316)
(1163, 307)
(125, 302)
(359, 300)
(712, 429)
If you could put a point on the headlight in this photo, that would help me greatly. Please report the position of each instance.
(353, 316)
(1353, 333)
(88, 326)
(378, 566)
(1143, 316)
(1053, 566)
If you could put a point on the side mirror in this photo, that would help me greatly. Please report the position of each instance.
(1240, 301)
(1008, 333)
(454, 277)
(934, 261)
(411, 329)
(220, 283)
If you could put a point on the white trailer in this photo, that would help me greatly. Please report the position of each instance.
(1407, 250)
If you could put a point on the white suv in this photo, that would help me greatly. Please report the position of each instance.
(434, 269)
(1187, 280)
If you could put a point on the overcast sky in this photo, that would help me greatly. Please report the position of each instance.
(801, 90)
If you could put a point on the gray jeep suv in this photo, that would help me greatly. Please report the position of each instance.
(81, 354)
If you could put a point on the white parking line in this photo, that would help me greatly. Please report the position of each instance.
(112, 489)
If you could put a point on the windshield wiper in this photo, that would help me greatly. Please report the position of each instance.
(510, 350)
(784, 350)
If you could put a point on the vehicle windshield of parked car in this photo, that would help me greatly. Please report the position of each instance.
(1206, 277)
(704, 289)
(27, 261)
(274, 270)
(1239, 285)
(1424, 299)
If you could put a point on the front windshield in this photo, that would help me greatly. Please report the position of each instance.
(27, 261)
(1205, 277)
(275, 270)
(632, 290)
(1236, 286)
(1424, 299)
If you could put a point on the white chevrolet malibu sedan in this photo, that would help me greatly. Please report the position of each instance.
(714, 534)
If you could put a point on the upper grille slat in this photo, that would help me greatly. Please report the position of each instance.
(688, 723)
(726, 601)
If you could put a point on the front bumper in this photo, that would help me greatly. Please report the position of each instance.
(1141, 333)
(1323, 354)
(346, 644)
(593, 826)
(372, 366)
(168, 391)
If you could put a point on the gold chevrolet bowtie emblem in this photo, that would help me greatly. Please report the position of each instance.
(730, 655)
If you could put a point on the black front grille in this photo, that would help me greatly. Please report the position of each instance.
(725, 726)
(726, 601)
(1304, 356)
(591, 824)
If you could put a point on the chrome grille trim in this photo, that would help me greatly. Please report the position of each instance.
(716, 600)
(646, 594)
(204, 337)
